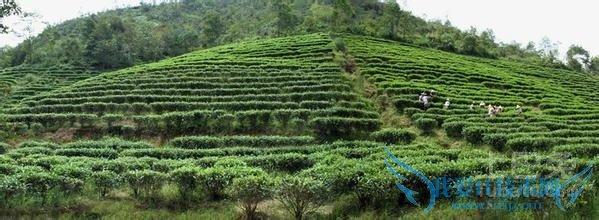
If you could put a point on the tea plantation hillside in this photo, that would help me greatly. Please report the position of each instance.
(17, 83)
(264, 87)
(560, 108)
(295, 127)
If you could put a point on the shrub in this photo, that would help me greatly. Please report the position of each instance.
(454, 129)
(340, 45)
(331, 128)
(4, 147)
(206, 142)
(498, 141)
(69, 185)
(298, 125)
(9, 187)
(35, 144)
(104, 181)
(145, 183)
(579, 150)
(531, 143)
(301, 196)
(72, 170)
(402, 104)
(393, 136)
(216, 179)
(87, 152)
(288, 162)
(39, 183)
(426, 124)
(474, 134)
(249, 191)
(411, 111)
(186, 179)
(374, 189)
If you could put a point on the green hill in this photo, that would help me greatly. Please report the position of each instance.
(261, 87)
(126, 37)
(305, 117)
(559, 108)
(21, 82)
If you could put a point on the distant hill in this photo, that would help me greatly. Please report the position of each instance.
(126, 37)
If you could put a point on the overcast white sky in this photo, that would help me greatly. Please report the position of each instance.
(568, 22)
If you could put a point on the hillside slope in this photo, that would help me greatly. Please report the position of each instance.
(272, 86)
(174, 137)
(17, 83)
(560, 107)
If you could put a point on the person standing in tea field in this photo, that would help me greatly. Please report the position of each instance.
(472, 106)
(492, 111)
(446, 105)
(519, 110)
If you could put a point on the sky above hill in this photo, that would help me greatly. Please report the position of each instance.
(566, 22)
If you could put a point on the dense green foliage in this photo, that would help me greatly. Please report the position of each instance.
(284, 86)
(259, 123)
(124, 37)
(557, 107)
(394, 136)
(8, 8)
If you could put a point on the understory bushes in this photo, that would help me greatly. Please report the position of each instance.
(474, 134)
(393, 136)
(454, 129)
(427, 125)
(205, 142)
(334, 128)
(579, 150)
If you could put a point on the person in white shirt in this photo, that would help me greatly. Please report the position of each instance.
(446, 105)
(519, 110)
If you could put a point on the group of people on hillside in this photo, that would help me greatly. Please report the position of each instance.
(493, 110)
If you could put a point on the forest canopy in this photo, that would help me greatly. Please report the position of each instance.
(126, 37)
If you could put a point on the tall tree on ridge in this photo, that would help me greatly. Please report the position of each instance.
(577, 58)
(7, 8)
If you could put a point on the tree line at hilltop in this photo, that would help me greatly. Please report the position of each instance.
(150, 32)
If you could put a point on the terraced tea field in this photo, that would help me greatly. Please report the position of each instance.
(560, 111)
(18, 83)
(269, 87)
(280, 119)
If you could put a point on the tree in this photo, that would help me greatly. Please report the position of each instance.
(391, 19)
(549, 52)
(577, 58)
(320, 17)
(212, 28)
(285, 19)
(7, 8)
(594, 65)
(469, 42)
(343, 14)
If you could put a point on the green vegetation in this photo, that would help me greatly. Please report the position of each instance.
(150, 32)
(279, 129)
(567, 115)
